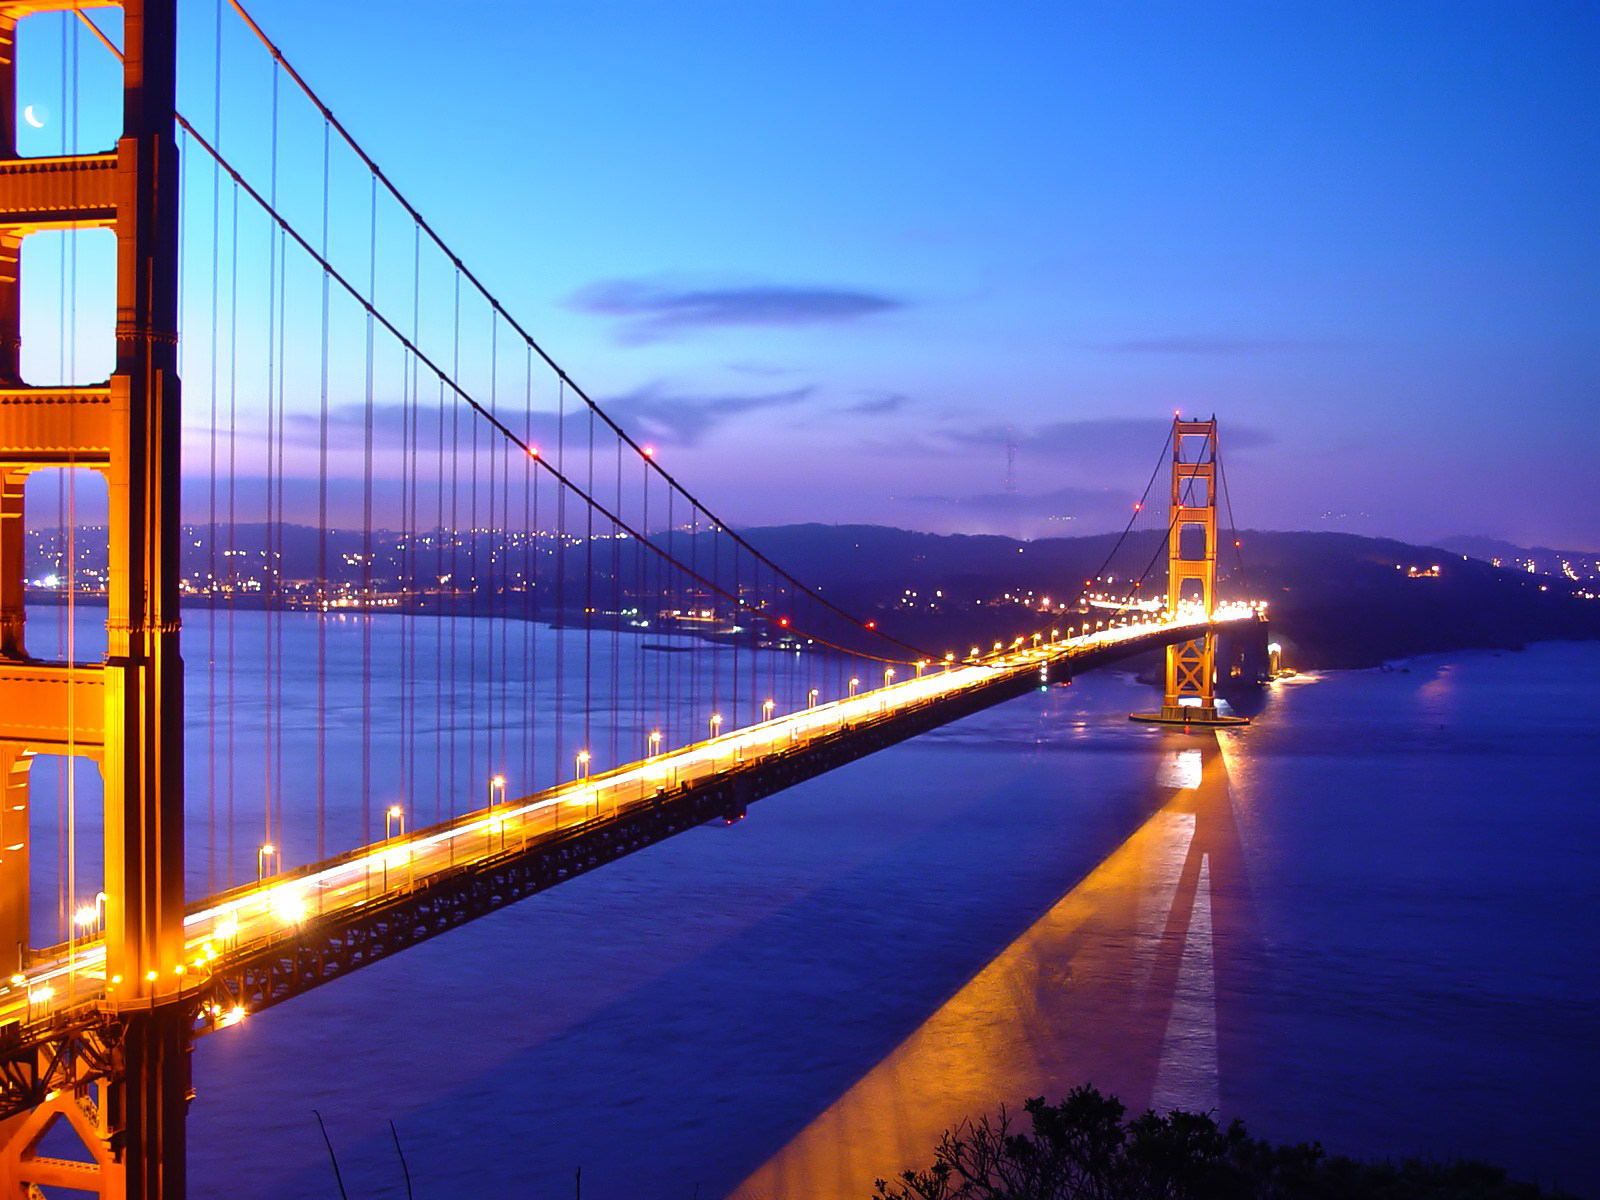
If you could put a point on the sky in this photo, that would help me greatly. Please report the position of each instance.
(952, 266)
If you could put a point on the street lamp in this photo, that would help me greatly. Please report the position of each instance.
(655, 742)
(715, 724)
(854, 684)
(267, 850)
(497, 783)
(581, 763)
(888, 676)
(766, 709)
(89, 917)
(811, 698)
(392, 816)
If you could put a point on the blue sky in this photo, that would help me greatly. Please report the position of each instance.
(834, 257)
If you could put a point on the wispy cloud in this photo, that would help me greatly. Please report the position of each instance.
(1205, 344)
(874, 406)
(1066, 503)
(1094, 437)
(657, 414)
(653, 311)
(761, 369)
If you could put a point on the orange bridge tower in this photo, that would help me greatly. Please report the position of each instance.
(1189, 697)
(114, 1073)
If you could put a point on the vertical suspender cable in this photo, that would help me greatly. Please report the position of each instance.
(368, 600)
(323, 583)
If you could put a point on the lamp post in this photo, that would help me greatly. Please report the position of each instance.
(655, 742)
(811, 698)
(888, 676)
(88, 919)
(854, 684)
(497, 783)
(267, 850)
(581, 765)
(715, 724)
(394, 815)
(766, 709)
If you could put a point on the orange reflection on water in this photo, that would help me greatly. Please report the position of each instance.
(1117, 984)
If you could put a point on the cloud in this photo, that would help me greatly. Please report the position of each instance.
(1095, 437)
(1203, 344)
(652, 413)
(651, 312)
(762, 370)
(877, 405)
(1065, 503)
(347, 424)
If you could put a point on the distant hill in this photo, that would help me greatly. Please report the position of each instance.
(1337, 600)
(1540, 560)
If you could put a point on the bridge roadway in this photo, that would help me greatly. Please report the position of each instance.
(262, 943)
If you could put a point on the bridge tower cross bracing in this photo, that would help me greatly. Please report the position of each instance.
(1189, 695)
(119, 1080)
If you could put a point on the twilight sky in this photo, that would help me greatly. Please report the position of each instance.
(834, 257)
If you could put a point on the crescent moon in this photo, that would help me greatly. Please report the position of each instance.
(28, 116)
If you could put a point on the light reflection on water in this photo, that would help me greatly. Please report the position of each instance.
(1136, 938)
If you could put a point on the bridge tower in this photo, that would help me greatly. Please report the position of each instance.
(119, 1079)
(1189, 697)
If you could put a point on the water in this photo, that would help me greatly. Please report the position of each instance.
(1368, 919)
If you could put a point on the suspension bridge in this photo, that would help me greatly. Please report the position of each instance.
(451, 633)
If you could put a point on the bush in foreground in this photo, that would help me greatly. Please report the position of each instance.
(1086, 1148)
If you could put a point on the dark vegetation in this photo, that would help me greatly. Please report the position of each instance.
(1087, 1148)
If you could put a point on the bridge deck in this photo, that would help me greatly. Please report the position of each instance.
(260, 944)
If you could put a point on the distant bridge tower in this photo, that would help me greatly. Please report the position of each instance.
(1189, 697)
(119, 1081)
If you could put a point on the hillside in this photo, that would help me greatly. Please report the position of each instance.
(1337, 600)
